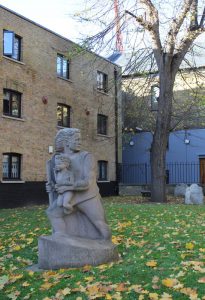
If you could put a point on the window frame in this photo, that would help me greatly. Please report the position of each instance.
(154, 97)
(15, 38)
(102, 124)
(62, 60)
(19, 96)
(68, 107)
(102, 82)
(102, 164)
(10, 156)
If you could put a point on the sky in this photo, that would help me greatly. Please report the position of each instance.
(52, 14)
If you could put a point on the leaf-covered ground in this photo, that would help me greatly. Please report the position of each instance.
(162, 250)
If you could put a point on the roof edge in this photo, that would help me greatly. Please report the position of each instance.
(53, 32)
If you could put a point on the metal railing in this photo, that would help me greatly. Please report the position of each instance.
(176, 172)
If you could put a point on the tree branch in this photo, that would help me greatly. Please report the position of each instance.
(152, 26)
(202, 19)
(176, 25)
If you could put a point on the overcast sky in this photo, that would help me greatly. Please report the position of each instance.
(53, 14)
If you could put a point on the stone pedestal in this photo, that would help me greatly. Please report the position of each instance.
(57, 252)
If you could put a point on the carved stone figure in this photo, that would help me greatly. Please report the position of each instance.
(80, 233)
(180, 189)
(194, 194)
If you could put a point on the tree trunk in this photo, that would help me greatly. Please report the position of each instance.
(161, 135)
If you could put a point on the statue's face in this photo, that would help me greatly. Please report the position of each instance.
(75, 143)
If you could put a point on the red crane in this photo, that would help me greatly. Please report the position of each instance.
(119, 43)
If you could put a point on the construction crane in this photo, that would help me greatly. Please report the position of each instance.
(119, 43)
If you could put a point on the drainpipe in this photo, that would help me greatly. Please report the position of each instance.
(116, 131)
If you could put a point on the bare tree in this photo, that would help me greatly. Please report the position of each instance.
(169, 50)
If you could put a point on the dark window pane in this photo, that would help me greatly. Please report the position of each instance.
(102, 81)
(11, 166)
(102, 170)
(8, 42)
(5, 166)
(17, 47)
(12, 104)
(14, 167)
(6, 109)
(59, 65)
(102, 124)
(15, 105)
(62, 67)
(63, 115)
(154, 97)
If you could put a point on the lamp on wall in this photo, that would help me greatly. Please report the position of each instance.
(131, 143)
(50, 149)
(186, 141)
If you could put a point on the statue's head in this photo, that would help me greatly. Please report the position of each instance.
(69, 138)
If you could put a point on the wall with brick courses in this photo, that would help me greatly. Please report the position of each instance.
(35, 76)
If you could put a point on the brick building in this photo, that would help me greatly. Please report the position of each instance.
(48, 82)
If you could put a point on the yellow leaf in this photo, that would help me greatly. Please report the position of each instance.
(189, 246)
(153, 296)
(141, 297)
(87, 268)
(89, 278)
(189, 292)
(116, 240)
(30, 273)
(169, 282)
(166, 296)
(120, 287)
(66, 291)
(117, 296)
(25, 284)
(92, 289)
(15, 277)
(151, 263)
(201, 280)
(102, 267)
(17, 248)
(46, 286)
(29, 241)
(108, 297)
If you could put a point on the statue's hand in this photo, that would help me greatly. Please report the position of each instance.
(49, 187)
(81, 185)
(60, 189)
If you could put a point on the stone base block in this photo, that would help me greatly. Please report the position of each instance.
(57, 252)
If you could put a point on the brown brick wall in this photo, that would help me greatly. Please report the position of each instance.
(36, 77)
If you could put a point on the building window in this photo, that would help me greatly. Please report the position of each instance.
(62, 66)
(11, 166)
(63, 115)
(154, 97)
(102, 81)
(102, 170)
(102, 124)
(12, 45)
(12, 103)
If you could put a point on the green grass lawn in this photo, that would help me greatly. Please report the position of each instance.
(162, 250)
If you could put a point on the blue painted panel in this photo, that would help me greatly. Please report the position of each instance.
(185, 149)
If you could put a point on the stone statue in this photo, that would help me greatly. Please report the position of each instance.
(75, 210)
(194, 194)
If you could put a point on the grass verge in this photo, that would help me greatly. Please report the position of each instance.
(162, 250)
